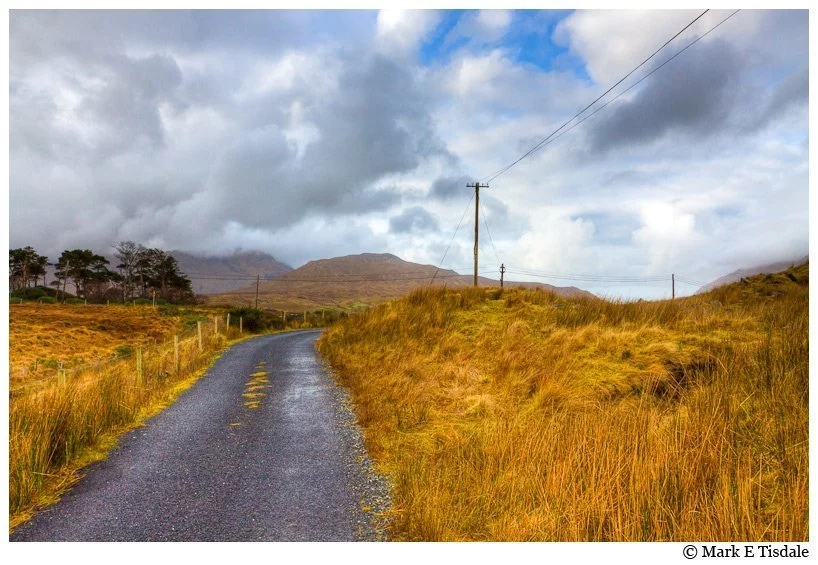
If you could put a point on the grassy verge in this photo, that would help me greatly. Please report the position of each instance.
(64, 424)
(518, 415)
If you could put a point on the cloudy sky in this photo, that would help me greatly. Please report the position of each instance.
(313, 134)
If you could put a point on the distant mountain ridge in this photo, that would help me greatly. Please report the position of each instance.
(211, 275)
(358, 280)
(739, 274)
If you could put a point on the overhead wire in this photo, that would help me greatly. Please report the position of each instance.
(468, 204)
(541, 143)
(587, 277)
(491, 239)
(546, 141)
(597, 110)
(284, 278)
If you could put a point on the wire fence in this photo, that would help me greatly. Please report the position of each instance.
(146, 361)
(163, 357)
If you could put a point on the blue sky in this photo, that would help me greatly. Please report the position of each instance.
(313, 134)
(527, 41)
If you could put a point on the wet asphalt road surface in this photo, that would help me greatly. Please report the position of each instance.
(240, 456)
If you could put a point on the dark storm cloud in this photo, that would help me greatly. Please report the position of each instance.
(790, 94)
(169, 121)
(692, 94)
(375, 124)
(414, 219)
(126, 110)
(450, 187)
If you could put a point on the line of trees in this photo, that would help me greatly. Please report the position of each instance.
(141, 273)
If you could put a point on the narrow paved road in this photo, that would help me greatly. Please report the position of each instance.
(259, 449)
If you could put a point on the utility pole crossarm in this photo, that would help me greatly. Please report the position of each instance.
(476, 186)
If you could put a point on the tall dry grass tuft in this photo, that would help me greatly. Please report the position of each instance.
(520, 415)
(53, 426)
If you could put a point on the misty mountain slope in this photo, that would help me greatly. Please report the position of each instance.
(226, 271)
(356, 280)
(739, 274)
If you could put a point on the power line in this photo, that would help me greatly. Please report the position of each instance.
(575, 116)
(591, 278)
(417, 278)
(218, 277)
(691, 282)
(466, 209)
(491, 239)
(545, 143)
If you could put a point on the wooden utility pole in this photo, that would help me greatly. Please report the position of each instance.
(502, 272)
(258, 277)
(476, 186)
(139, 366)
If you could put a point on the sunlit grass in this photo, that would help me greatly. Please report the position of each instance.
(520, 415)
(43, 335)
(60, 426)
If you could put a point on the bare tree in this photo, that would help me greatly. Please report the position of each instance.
(129, 255)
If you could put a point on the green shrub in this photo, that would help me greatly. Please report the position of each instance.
(256, 321)
(75, 300)
(48, 300)
(123, 351)
(33, 293)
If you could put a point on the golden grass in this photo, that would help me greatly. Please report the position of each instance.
(60, 426)
(41, 335)
(519, 415)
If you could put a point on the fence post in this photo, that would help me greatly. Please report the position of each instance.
(139, 366)
(305, 316)
(199, 330)
(61, 374)
(176, 353)
(227, 327)
(323, 312)
(284, 317)
(215, 325)
(241, 325)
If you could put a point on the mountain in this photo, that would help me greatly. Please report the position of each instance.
(212, 275)
(759, 269)
(355, 281)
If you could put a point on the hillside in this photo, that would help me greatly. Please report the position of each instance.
(739, 274)
(355, 281)
(520, 415)
(213, 275)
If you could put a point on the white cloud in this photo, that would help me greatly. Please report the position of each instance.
(494, 21)
(668, 233)
(399, 32)
(554, 243)
(612, 42)
(304, 134)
